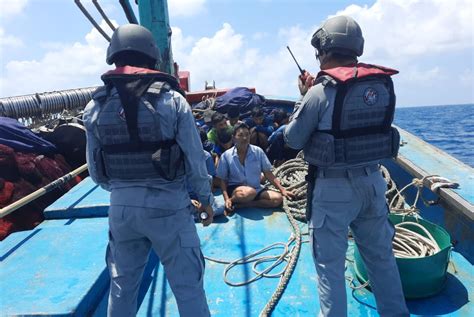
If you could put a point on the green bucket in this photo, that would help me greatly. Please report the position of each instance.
(421, 277)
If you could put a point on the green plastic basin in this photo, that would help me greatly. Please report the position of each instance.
(421, 277)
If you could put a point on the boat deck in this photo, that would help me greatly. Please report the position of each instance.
(59, 269)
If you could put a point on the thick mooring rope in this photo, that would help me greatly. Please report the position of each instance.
(293, 259)
(292, 177)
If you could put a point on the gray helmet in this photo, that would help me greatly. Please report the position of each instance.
(340, 34)
(132, 37)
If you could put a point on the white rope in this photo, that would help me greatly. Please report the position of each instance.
(410, 244)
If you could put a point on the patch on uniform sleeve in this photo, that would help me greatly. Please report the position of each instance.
(371, 96)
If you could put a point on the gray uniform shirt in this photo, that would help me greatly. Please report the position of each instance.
(313, 112)
(176, 122)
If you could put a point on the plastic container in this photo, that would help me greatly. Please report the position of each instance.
(421, 277)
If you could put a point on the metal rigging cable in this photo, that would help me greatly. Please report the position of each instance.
(128, 11)
(91, 19)
(102, 13)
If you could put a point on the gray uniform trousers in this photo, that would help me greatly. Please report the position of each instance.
(173, 236)
(358, 203)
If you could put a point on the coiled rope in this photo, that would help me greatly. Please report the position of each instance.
(292, 177)
(291, 174)
(410, 244)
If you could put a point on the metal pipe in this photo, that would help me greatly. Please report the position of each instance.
(40, 192)
(127, 8)
(102, 13)
(40, 105)
(91, 19)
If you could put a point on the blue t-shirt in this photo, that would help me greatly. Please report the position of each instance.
(234, 173)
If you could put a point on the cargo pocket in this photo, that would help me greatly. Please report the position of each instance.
(332, 202)
(190, 247)
(317, 219)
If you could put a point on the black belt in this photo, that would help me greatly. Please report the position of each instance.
(347, 172)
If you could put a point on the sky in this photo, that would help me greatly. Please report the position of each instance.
(48, 45)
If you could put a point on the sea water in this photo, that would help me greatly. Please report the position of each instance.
(450, 128)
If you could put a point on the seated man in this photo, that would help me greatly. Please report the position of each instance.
(224, 142)
(239, 171)
(206, 144)
(277, 151)
(233, 116)
(280, 118)
(219, 123)
(260, 128)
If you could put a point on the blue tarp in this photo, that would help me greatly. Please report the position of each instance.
(240, 97)
(20, 138)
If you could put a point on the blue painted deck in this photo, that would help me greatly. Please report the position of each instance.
(252, 230)
(59, 269)
(87, 199)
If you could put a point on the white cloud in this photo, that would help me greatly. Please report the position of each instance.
(401, 29)
(227, 58)
(186, 7)
(424, 39)
(9, 8)
(68, 66)
(399, 33)
(9, 40)
(403, 34)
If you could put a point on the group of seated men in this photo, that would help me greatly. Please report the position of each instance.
(239, 155)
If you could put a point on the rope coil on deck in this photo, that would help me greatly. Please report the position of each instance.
(292, 177)
(291, 174)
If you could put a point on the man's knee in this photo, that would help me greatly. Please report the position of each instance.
(276, 199)
(245, 192)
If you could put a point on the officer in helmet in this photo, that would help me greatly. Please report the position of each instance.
(343, 125)
(141, 146)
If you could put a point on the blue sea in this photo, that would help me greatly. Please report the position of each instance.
(450, 128)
